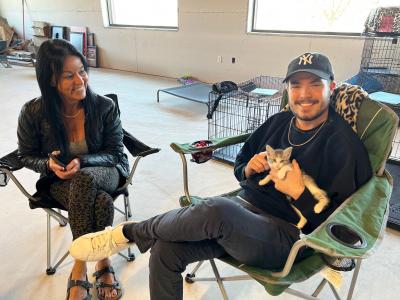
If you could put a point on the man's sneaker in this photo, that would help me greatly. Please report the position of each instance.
(99, 245)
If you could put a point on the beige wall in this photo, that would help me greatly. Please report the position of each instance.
(207, 29)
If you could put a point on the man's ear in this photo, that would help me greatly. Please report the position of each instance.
(332, 86)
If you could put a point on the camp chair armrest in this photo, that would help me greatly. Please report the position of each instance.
(187, 148)
(148, 152)
(11, 161)
(136, 147)
(364, 214)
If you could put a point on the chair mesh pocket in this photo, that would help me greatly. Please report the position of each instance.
(339, 264)
(3, 179)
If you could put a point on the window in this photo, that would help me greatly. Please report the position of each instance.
(341, 17)
(143, 13)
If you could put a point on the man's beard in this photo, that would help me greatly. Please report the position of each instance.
(311, 118)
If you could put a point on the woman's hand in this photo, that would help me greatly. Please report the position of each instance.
(64, 172)
(293, 184)
(257, 164)
(52, 165)
(70, 170)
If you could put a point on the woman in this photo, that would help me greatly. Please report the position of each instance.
(83, 131)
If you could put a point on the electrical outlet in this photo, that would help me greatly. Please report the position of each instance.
(219, 59)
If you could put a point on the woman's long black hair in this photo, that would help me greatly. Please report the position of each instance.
(49, 67)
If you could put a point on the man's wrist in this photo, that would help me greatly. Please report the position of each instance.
(247, 172)
(297, 194)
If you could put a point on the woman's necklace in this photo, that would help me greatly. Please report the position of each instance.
(72, 116)
(309, 140)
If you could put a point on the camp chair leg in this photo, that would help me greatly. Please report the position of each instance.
(319, 288)
(334, 291)
(354, 279)
(189, 278)
(55, 216)
(130, 257)
(300, 294)
(314, 295)
(50, 270)
(219, 280)
(128, 212)
(49, 244)
(61, 221)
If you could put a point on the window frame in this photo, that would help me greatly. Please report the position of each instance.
(107, 10)
(252, 7)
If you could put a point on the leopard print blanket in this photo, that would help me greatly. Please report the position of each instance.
(346, 99)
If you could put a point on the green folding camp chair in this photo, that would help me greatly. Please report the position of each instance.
(349, 235)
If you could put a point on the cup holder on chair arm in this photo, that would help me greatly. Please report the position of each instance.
(346, 235)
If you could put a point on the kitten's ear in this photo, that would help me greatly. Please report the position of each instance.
(270, 151)
(287, 152)
(269, 148)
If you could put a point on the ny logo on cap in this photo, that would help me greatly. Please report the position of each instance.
(305, 59)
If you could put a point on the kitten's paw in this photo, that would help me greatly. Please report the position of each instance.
(301, 223)
(263, 181)
(323, 202)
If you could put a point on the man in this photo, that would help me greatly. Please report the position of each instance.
(255, 228)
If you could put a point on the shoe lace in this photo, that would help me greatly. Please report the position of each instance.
(103, 241)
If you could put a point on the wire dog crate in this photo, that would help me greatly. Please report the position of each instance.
(381, 59)
(244, 110)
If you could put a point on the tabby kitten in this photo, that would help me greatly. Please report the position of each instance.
(278, 159)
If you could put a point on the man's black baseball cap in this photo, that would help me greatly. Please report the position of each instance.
(311, 62)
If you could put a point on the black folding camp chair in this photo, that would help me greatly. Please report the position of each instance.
(10, 163)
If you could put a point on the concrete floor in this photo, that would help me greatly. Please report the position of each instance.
(158, 185)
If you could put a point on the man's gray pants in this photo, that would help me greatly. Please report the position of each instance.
(215, 228)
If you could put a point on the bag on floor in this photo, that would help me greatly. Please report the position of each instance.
(221, 88)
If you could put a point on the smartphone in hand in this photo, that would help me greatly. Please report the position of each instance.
(58, 162)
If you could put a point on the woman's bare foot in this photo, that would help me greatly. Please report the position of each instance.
(108, 278)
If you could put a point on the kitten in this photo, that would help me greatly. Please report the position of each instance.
(278, 159)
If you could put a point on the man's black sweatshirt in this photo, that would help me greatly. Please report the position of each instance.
(335, 158)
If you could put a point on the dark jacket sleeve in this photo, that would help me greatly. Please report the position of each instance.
(29, 148)
(112, 148)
